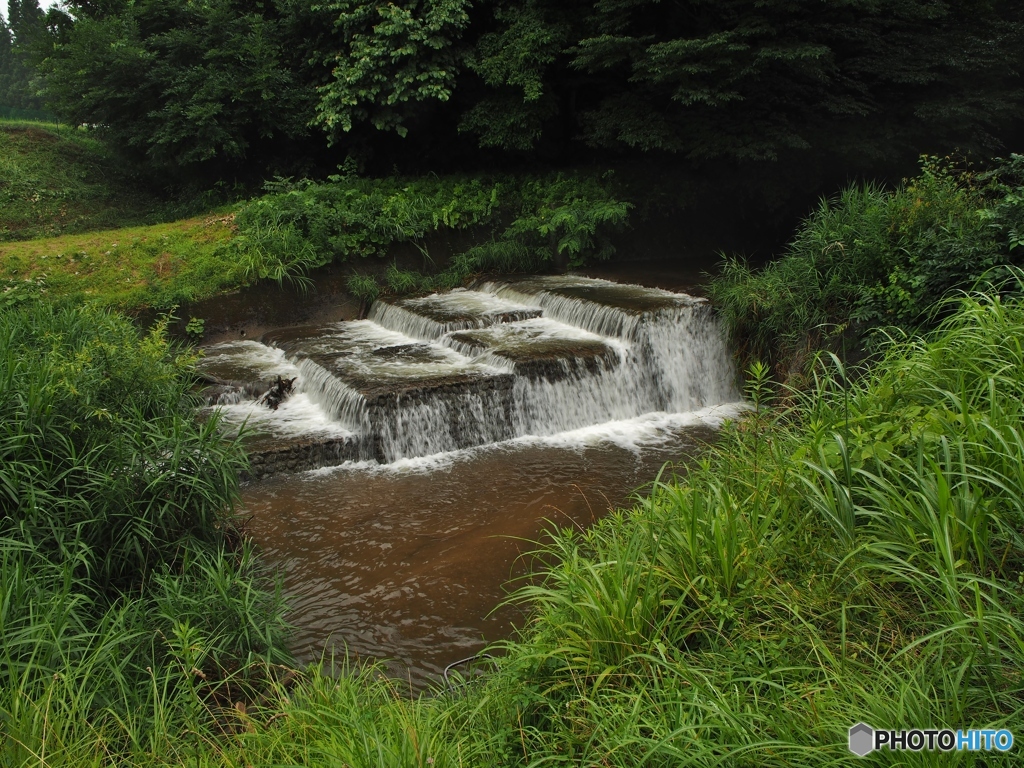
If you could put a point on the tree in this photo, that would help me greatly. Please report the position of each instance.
(390, 55)
(18, 79)
(182, 84)
(749, 80)
(227, 82)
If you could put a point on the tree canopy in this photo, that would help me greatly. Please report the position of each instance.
(18, 79)
(230, 81)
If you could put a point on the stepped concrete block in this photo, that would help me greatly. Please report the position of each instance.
(634, 299)
(536, 355)
(467, 309)
(269, 455)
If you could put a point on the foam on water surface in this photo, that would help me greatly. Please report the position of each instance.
(245, 360)
(298, 416)
(430, 317)
(535, 358)
(634, 434)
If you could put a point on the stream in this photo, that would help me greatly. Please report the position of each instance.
(425, 450)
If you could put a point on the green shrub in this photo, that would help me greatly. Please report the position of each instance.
(522, 223)
(129, 609)
(101, 460)
(872, 258)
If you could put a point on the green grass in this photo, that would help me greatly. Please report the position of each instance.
(856, 556)
(131, 611)
(159, 265)
(282, 236)
(58, 180)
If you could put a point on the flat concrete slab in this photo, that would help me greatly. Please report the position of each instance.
(539, 347)
(635, 299)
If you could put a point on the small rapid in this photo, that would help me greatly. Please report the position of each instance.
(537, 356)
(445, 434)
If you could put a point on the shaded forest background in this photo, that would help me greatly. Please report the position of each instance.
(758, 106)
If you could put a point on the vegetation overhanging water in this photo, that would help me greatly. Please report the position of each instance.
(858, 542)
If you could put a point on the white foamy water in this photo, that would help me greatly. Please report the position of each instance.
(298, 416)
(430, 317)
(473, 368)
(510, 337)
(246, 360)
(634, 435)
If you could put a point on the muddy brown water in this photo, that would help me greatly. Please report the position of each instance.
(409, 563)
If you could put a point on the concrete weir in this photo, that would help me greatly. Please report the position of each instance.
(421, 376)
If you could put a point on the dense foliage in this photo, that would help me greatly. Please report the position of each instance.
(228, 81)
(874, 257)
(181, 83)
(856, 557)
(19, 82)
(515, 223)
(123, 585)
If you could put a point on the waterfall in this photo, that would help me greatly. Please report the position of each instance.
(538, 356)
(431, 317)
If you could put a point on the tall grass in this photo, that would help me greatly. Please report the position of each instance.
(131, 613)
(857, 557)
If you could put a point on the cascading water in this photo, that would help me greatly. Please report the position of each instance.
(538, 356)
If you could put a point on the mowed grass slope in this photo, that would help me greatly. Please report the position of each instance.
(149, 266)
(75, 223)
(56, 181)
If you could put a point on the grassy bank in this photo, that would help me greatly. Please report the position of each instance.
(158, 265)
(873, 257)
(59, 180)
(508, 224)
(855, 557)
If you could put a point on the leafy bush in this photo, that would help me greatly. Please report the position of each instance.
(872, 257)
(129, 606)
(348, 217)
(523, 224)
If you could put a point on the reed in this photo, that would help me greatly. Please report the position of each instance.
(131, 613)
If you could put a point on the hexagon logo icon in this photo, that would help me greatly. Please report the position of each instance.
(862, 739)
